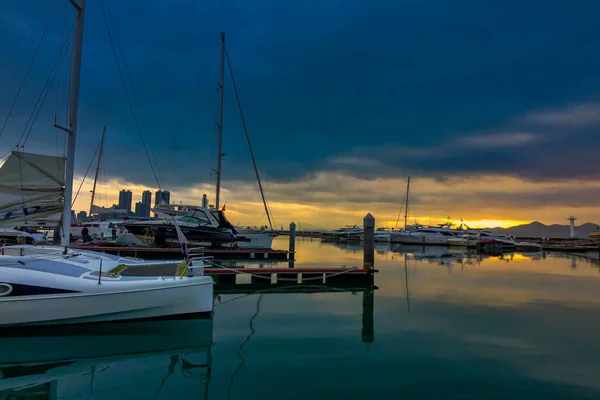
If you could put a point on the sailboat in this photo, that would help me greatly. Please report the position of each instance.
(56, 285)
(206, 225)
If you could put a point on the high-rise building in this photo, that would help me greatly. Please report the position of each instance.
(125, 199)
(162, 197)
(146, 202)
(139, 209)
(81, 215)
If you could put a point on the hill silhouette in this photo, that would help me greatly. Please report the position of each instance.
(537, 229)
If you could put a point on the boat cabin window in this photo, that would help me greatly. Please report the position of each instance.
(201, 216)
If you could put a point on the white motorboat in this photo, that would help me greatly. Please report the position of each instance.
(506, 240)
(22, 235)
(348, 232)
(383, 235)
(465, 240)
(424, 236)
(245, 237)
(254, 238)
(51, 285)
(97, 229)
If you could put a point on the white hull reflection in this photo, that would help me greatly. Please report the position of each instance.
(108, 361)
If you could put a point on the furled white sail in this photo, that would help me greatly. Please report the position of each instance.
(31, 189)
(103, 210)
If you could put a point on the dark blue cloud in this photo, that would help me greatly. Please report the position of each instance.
(324, 80)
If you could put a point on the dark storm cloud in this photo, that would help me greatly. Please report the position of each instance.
(441, 87)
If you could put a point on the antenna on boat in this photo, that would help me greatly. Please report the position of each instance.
(97, 169)
(220, 122)
(71, 130)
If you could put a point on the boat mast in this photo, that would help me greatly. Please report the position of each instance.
(72, 127)
(406, 206)
(97, 169)
(220, 123)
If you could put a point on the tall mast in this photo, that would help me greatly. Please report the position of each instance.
(406, 206)
(72, 127)
(97, 169)
(220, 123)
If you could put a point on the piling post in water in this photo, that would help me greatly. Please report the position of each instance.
(369, 242)
(292, 249)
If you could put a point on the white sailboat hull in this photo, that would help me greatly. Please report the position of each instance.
(193, 298)
(47, 288)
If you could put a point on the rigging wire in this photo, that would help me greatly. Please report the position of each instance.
(45, 90)
(86, 174)
(12, 107)
(135, 119)
(237, 97)
(133, 92)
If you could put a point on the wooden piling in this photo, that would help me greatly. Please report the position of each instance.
(292, 248)
(369, 242)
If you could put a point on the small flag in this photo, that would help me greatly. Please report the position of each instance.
(182, 240)
(223, 209)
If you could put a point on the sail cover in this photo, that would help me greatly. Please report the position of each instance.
(103, 210)
(31, 189)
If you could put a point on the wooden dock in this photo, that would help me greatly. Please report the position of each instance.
(241, 280)
(175, 253)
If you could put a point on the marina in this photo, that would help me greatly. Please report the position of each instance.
(373, 206)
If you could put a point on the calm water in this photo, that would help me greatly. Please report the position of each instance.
(445, 325)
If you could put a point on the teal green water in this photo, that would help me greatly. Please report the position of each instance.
(441, 325)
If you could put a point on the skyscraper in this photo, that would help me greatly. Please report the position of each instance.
(147, 202)
(125, 198)
(139, 209)
(162, 196)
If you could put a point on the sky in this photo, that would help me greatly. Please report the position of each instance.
(492, 108)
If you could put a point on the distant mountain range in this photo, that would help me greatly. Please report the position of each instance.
(537, 229)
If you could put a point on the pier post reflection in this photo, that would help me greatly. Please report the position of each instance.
(368, 330)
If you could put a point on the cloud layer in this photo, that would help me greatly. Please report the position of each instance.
(337, 98)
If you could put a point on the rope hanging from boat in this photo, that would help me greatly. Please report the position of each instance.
(237, 98)
(12, 106)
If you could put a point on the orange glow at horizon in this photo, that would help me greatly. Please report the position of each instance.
(312, 205)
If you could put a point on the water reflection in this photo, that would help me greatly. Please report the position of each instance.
(145, 359)
(444, 323)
